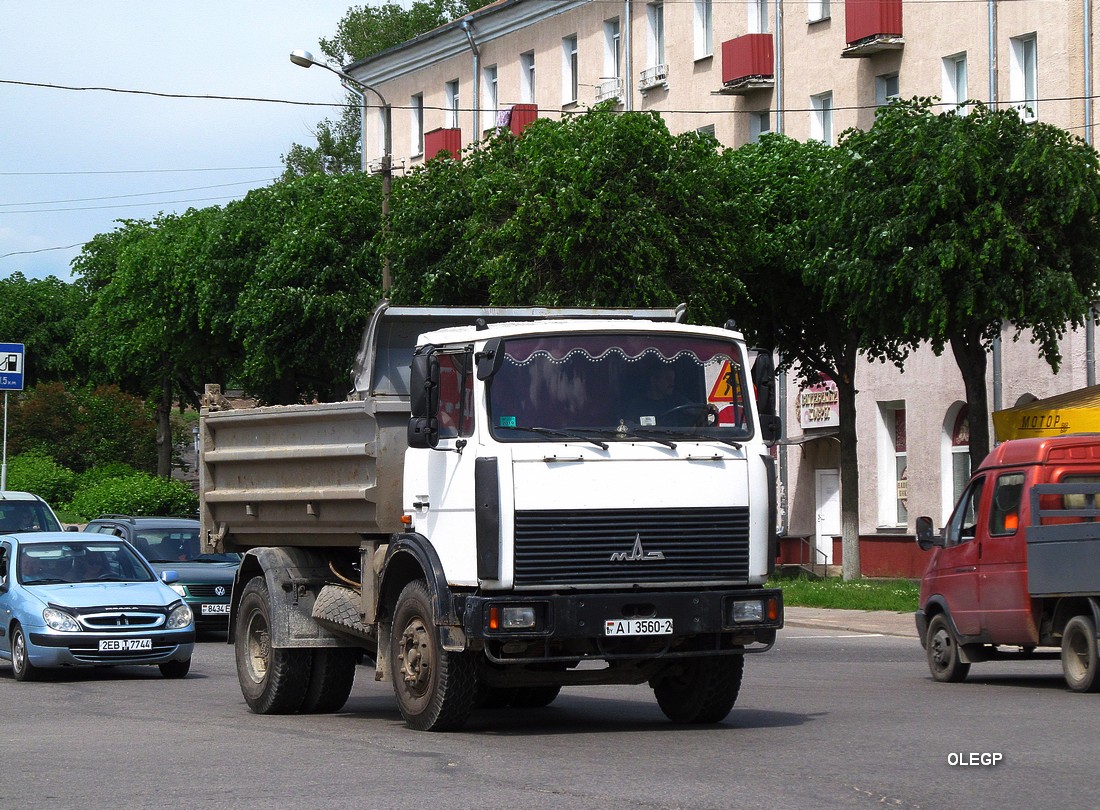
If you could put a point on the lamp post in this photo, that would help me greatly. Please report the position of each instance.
(305, 59)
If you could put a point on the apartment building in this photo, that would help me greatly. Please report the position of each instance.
(808, 69)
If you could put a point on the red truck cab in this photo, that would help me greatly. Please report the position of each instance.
(975, 596)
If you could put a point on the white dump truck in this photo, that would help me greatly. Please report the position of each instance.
(511, 501)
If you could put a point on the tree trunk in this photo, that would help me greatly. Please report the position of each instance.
(849, 476)
(164, 428)
(970, 355)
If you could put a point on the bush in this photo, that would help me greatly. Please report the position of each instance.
(137, 494)
(38, 473)
(104, 472)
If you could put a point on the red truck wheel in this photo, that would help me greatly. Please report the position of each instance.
(1079, 655)
(944, 661)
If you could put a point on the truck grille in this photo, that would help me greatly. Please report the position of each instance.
(621, 546)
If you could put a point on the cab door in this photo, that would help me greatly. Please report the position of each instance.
(954, 569)
(7, 579)
(1002, 565)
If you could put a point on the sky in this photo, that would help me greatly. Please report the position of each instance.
(73, 162)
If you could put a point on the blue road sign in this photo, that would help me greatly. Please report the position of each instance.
(11, 366)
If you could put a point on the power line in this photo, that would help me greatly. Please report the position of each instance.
(125, 205)
(40, 250)
(158, 94)
(139, 171)
(127, 196)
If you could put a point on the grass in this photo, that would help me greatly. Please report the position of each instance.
(898, 595)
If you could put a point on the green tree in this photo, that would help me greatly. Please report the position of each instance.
(960, 225)
(44, 315)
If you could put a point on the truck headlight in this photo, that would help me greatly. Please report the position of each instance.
(513, 617)
(746, 611)
(60, 620)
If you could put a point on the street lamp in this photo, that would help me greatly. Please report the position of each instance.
(305, 59)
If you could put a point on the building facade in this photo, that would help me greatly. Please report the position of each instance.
(807, 69)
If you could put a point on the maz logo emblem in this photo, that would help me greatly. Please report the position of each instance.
(637, 553)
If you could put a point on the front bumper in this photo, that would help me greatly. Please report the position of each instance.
(48, 649)
(571, 626)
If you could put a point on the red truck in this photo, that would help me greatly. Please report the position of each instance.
(1018, 566)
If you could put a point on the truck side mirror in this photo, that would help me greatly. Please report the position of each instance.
(771, 427)
(763, 381)
(926, 533)
(423, 433)
(424, 383)
(490, 358)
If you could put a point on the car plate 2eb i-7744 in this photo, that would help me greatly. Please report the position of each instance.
(637, 627)
(122, 644)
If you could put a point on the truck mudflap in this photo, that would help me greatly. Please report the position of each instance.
(636, 625)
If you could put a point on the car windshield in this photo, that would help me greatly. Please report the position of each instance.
(17, 517)
(75, 562)
(176, 544)
(628, 386)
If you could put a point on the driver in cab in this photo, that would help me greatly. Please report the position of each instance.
(660, 403)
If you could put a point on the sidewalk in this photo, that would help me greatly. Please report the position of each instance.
(855, 621)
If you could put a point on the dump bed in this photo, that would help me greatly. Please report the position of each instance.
(1063, 539)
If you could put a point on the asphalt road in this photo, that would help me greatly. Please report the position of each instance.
(829, 718)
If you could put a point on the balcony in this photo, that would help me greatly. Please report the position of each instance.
(748, 63)
(609, 89)
(516, 117)
(653, 77)
(872, 26)
(442, 140)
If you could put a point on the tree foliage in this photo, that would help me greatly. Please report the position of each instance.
(44, 315)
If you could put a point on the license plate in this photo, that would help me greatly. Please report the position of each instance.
(123, 644)
(637, 627)
(214, 610)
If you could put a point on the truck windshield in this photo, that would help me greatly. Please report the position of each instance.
(619, 386)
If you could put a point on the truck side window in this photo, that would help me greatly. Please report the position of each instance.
(964, 523)
(1004, 515)
(456, 413)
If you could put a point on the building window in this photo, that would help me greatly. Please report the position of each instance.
(955, 92)
(886, 89)
(569, 70)
(453, 102)
(612, 49)
(492, 97)
(416, 125)
(821, 118)
(893, 463)
(707, 130)
(656, 13)
(704, 28)
(759, 124)
(958, 460)
(818, 10)
(1024, 81)
(527, 77)
(758, 16)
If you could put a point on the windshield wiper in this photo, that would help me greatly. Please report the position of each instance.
(646, 433)
(565, 434)
(702, 437)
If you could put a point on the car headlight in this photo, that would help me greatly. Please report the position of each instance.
(60, 620)
(182, 591)
(179, 618)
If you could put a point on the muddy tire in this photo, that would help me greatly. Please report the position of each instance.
(331, 676)
(436, 690)
(273, 681)
(700, 690)
(1079, 655)
(942, 650)
(21, 665)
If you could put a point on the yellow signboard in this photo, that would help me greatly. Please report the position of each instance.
(1073, 412)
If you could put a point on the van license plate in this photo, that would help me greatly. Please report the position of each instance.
(123, 644)
(637, 627)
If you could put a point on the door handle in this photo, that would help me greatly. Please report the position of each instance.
(966, 569)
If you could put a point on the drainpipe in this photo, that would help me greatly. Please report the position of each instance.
(996, 351)
(467, 29)
(628, 58)
(1090, 324)
(779, 75)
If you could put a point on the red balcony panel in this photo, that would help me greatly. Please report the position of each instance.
(749, 55)
(868, 18)
(522, 115)
(442, 139)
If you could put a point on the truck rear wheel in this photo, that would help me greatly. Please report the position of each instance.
(944, 660)
(1079, 655)
(700, 690)
(331, 676)
(436, 690)
(273, 680)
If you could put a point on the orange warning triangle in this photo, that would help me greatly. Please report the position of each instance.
(723, 386)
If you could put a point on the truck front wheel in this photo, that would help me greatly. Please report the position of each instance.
(436, 690)
(1079, 655)
(273, 680)
(944, 661)
(700, 690)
